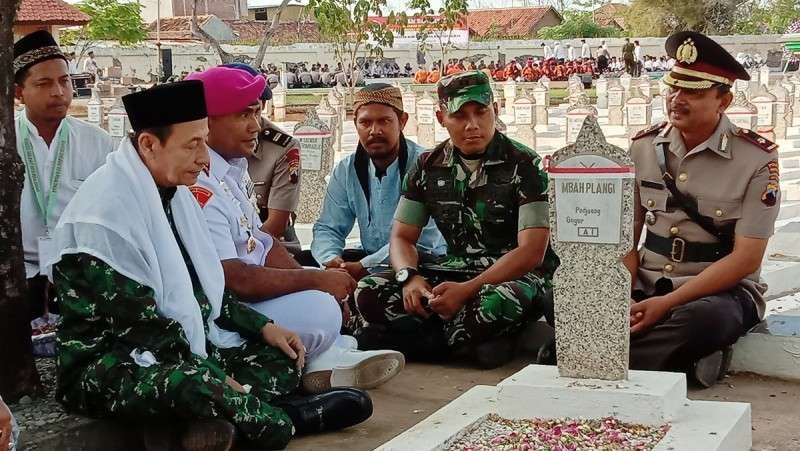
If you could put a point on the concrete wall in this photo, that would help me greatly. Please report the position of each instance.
(224, 9)
(188, 57)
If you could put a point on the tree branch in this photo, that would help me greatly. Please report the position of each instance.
(268, 33)
(211, 40)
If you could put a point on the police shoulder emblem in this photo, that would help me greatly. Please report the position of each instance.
(687, 52)
(202, 194)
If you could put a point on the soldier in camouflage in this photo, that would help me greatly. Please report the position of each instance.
(148, 331)
(487, 195)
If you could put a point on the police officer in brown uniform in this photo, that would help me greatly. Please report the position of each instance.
(274, 170)
(707, 193)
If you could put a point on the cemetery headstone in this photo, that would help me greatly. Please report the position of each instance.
(497, 95)
(426, 119)
(576, 114)
(525, 120)
(601, 88)
(591, 220)
(742, 113)
(616, 94)
(644, 87)
(783, 111)
(95, 109)
(625, 80)
(764, 102)
(541, 96)
(410, 107)
(763, 75)
(575, 89)
(510, 93)
(118, 123)
(316, 162)
(545, 81)
(335, 100)
(279, 102)
(638, 112)
(330, 117)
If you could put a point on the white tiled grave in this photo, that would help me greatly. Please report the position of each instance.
(647, 397)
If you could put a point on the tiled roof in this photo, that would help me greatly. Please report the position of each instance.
(506, 22)
(178, 23)
(49, 12)
(611, 14)
(287, 33)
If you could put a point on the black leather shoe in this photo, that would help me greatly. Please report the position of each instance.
(328, 411)
(208, 435)
(494, 353)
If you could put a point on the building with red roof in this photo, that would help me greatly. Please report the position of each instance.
(50, 15)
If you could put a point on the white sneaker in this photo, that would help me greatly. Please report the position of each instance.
(348, 342)
(350, 368)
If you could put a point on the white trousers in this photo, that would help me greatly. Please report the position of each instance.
(313, 315)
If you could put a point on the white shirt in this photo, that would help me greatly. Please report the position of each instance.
(90, 66)
(637, 52)
(73, 67)
(230, 212)
(570, 53)
(585, 52)
(548, 53)
(558, 51)
(88, 147)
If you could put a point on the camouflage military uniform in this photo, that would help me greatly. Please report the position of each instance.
(479, 214)
(107, 317)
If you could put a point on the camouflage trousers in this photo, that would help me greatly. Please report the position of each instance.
(497, 310)
(115, 386)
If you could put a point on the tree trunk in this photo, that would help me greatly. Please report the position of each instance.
(18, 374)
(211, 40)
(262, 48)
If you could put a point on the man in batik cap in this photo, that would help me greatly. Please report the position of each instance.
(59, 152)
(148, 330)
(697, 276)
(488, 197)
(365, 188)
(257, 267)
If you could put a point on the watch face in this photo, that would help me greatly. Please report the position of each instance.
(402, 275)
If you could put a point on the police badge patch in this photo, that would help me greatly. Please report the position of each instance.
(293, 159)
(770, 195)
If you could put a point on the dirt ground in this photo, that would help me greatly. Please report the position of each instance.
(422, 389)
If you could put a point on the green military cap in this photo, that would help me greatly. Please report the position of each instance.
(456, 90)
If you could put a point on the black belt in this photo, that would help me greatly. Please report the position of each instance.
(679, 250)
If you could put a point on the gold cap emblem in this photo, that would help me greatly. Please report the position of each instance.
(687, 52)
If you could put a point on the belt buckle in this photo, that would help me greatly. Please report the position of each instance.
(678, 250)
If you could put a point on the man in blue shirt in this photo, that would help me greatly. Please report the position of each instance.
(365, 188)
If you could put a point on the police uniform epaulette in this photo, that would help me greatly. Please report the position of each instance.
(763, 143)
(276, 136)
(649, 131)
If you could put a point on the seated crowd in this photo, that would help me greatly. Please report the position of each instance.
(184, 294)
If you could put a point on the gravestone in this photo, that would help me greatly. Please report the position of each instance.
(575, 89)
(541, 97)
(740, 86)
(763, 76)
(426, 120)
(742, 113)
(330, 117)
(644, 87)
(591, 221)
(335, 100)
(545, 81)
(576, 115)
(279, 102)
(783, 111)
(269, 109)
(601, 88)
(497, 95)
(616, 95)
(118, 123)
(625, 81)
(94, 109)
(410, 107)
(510, 93)
(525, 120)
(638, 112)
(764, 102)
(316, 162)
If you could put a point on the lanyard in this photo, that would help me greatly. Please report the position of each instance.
(44, 202)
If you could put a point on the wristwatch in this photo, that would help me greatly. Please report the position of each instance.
(405, 274)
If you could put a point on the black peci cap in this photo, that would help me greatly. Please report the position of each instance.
(166, 104)
(34, 48)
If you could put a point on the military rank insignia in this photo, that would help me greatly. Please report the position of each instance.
(770, 195)
(293, 159)
(202, 194)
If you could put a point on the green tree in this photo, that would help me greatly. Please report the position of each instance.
(111, 21)
(437, 24)
(346, 24)
(772, 16)
(663, 17)
(578, 24)
(18, 374)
